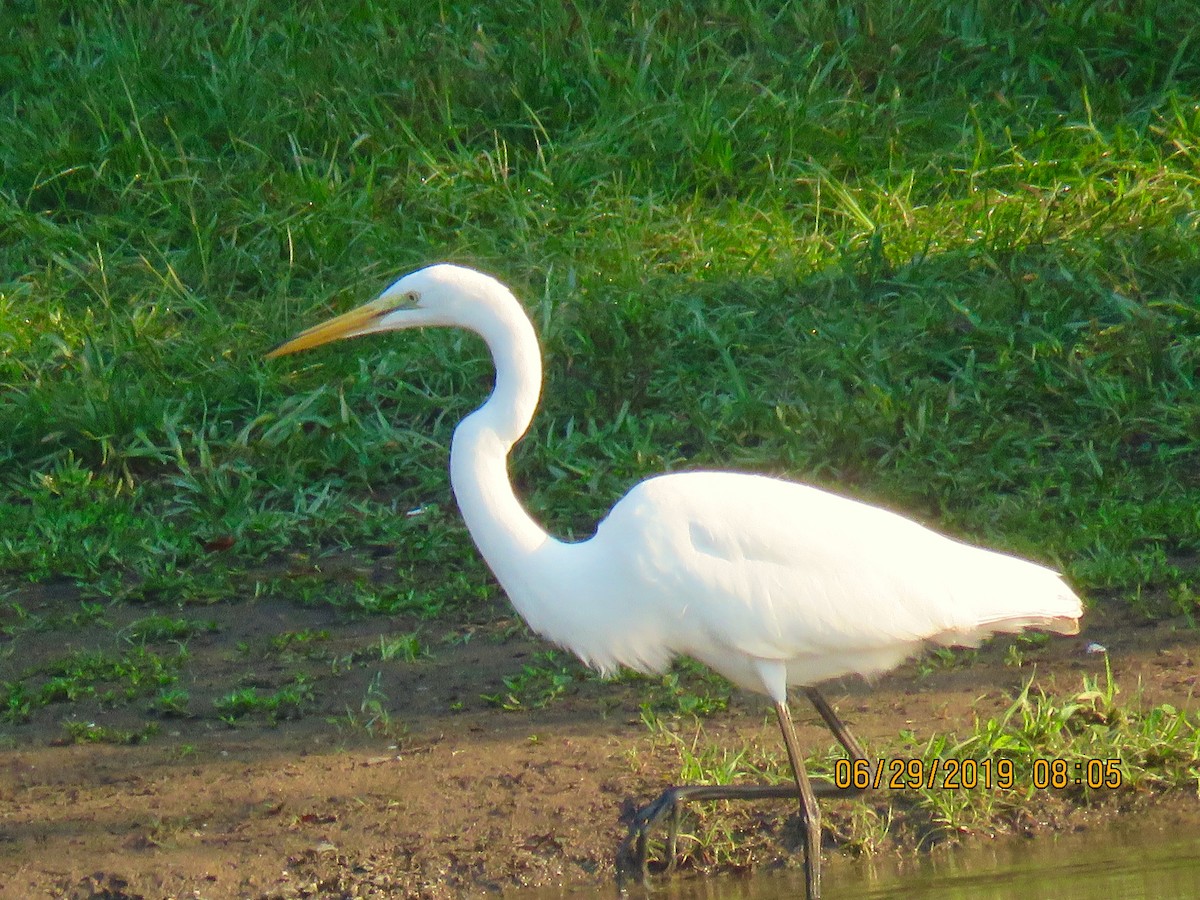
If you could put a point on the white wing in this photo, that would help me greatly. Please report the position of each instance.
(774, 570)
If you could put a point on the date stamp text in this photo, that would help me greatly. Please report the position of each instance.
(899, 773)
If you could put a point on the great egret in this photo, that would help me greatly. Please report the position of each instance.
(769, 582)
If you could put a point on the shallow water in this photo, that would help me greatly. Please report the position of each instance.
(1128, 861)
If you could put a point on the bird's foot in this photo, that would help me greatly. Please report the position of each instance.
(633, 862)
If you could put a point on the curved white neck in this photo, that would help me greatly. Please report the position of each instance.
(502, 529)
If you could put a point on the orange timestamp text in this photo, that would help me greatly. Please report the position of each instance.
(900, 773)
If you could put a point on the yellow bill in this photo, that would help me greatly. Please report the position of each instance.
(357, 321)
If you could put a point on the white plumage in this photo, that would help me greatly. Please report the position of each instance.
(731, 568)
(769, 582)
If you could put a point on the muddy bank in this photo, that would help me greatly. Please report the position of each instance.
(433, 791)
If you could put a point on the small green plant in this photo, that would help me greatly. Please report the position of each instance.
(688, 689)
(16, 619)
(941, 659)
(22, 620)
(291, 701)
(1184, 601)
(240, 702)
(87, 614)
(172, 702)
(705, 762)
(93, 733)
(288, 702)
(536, 685)
(406, 647)
(157, 628)
(1024, 646)
(373, 715)
(17, 704)
(299, 642)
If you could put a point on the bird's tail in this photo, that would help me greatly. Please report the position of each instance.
(1012, 595)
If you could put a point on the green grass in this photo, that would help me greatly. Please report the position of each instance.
(944, 257)
(157, 628)
(111, 678)
(91, 733)
(538, 684)
(1057, 743)
(289, 702)
(374, 716)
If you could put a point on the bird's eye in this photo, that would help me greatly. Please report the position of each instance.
(411, 299)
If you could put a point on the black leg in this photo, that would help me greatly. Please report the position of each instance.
(853, 748)
(810, 813)
(632, 859)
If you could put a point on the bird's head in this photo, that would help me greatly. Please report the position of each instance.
(442, 294)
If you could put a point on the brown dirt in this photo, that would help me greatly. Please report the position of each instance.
(454, 797)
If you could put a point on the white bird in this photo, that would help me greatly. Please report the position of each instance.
(769, 582)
